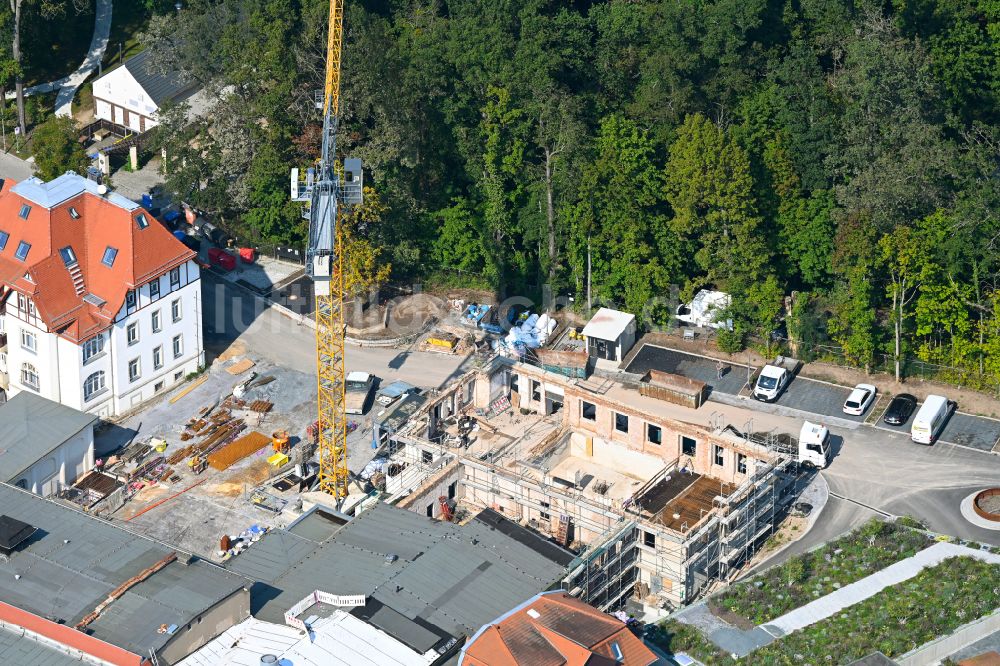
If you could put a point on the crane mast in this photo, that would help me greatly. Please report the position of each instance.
(327, 188)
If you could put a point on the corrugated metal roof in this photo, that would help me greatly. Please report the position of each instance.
(75, 560)
(160, 88)
(455, 578)
(20, 650)
(31, 428)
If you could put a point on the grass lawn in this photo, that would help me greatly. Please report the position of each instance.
(900, 618)
(128, 19)
(773, 593)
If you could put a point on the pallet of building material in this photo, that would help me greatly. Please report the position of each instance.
(237, 450)
(179, 455)
(240, 367)
(260, 406)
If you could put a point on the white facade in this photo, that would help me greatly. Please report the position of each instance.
(61, 468)
(155, 341)
(119, 98)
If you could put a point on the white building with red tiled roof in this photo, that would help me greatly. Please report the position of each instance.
(99, 303)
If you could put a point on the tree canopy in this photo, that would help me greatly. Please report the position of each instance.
(847, 151)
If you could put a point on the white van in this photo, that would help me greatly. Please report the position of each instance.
(930, 419)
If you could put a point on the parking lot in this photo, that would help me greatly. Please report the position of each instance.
(808, 395)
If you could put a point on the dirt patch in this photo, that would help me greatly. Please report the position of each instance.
(989, 504)
(729, 616)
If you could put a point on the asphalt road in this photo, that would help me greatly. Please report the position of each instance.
(231, 313)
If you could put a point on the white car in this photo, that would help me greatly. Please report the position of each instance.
(860, 399)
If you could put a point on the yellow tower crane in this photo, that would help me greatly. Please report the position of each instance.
(325, 189)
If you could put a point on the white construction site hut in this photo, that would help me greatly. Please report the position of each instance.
(610, 334)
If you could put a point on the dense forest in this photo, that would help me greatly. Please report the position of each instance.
(843, 151)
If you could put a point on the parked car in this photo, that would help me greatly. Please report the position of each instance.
(899, 410)
(931, 419)
(860, 399)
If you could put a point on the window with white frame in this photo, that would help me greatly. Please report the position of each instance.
(93, 385)
(175, 278)
(130, 299)
(29, 340)
(157, 322)
(132, 333)
(154, 289)
(719, 453)
(92, 348)
(178, 346)
(741, 463)
(29, 376)
(134, 370)
(175, 310)
(158, 357)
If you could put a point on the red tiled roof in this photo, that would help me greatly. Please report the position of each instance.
(556, 630)
(143, 254)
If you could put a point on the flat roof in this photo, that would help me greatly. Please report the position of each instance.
(608, 324)
(31, 428)
(63, 188)
(74, 561)
(428, 579)
(18, 649)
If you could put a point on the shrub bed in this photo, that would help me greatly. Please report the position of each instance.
(900, 618)
(872, 547)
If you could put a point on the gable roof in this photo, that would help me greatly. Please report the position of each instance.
(159, 87)
(445, 580)
(69, 211)
(555, 629)
(31, 428)
(74, 561)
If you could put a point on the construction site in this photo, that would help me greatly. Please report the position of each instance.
(658, 500)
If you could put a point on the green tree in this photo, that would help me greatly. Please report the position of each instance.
(56, 148)
(460, 244)
(900, 254)
(619, 218)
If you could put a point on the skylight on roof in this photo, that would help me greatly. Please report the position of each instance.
(4, 237)
(141, 221)
(22, 250)
(25, 211)
(74, 213)
(68, 255)
(109, 256)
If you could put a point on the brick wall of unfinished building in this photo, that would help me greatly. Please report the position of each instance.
(602, 427)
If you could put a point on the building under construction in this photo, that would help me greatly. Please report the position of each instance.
(657, 498)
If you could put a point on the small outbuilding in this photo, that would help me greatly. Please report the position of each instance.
(707, 310)
(610, 334)
(44, 446)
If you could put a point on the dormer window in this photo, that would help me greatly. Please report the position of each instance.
(109, 256)
(22, 250)
(25, 211)
(68, 256)
(141, 221)
(74, 213)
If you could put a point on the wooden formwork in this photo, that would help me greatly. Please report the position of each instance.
(237, 450)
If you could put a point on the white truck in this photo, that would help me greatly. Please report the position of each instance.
(812, 448)
(357, 391)
(814, 445)
(774, 378)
